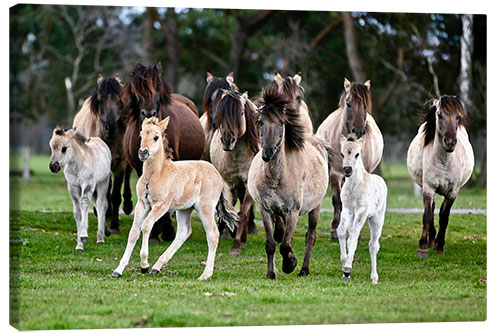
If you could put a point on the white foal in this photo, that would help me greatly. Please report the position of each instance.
(179, 186)
(87, 166)
(363, 195)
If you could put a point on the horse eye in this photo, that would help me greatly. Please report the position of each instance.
(63, 150)
(156, 138)
(357, 155)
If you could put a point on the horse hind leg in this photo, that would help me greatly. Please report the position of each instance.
(206, 212)
(240, 237)
(310, 239)
(444, 216)
(337, 204)
(164, 227)
(101, 203)
(375, 223)
(116, 201)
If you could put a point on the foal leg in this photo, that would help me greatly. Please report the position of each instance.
(183, 232)
(345, 219)
(156, 212)
(427, 221)
(375, 223)
(206, 212)
(87, 191)
(310, 239)
(444, 216)
(141, 210)
(243, 214)
(102, 205)
(289, 259)
(270, 244)
(74, 192)
(352, 241)
(335, 181)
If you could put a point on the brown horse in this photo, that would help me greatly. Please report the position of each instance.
(287, 178)
(99, 117)
(352, 119)
(441, 160)
(211, 98)
(291, 88)
(234, 145)
(146, 95)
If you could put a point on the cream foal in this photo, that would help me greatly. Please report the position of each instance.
(87, 167)
(175, 186)
(363, 195)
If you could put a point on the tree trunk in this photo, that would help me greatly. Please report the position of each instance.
(466, 45)
(351, 51)
(170, 31)
(26, 164)
(481, 179)
(147, 36)
(245, 28)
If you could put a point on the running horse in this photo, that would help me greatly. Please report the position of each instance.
(353, 119)
(440, 159)
(146, 95)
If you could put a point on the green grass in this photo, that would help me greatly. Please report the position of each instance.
(55, 287)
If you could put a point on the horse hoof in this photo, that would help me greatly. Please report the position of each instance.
(271, 275)
(440, 252)
(235, 252)
(144, 270)
(333, 235)
(128, 207)
(290, 264)
(107, 232)
(422, 253)
(84, 239)
(346, 279)
(115, 275)
(303, 272)
(374, 281)
(114, 231)
(79, 249)
(153, 240)
(154, 271)
(100, 242)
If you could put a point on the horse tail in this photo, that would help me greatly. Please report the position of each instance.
(329, 152)
(226, 213)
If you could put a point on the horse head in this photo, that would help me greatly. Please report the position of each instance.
(356, 103)
(106, 103)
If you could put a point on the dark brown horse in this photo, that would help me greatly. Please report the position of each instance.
(146, 95)
(99, 116)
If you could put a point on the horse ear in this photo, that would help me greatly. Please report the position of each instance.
(210, 77)
(99, 78)
(347, 84)
(117, 78)
(277, 78)
(297, 78)
(163, 124)
(244, 97)
(368, 84)
(230, 78)
(158, 67)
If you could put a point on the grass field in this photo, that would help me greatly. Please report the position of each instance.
(55, 287)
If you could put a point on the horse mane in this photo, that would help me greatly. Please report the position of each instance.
(449, 105)
(277, 106)
(216, 84)
(361, 97)
(166, 147)
(230, 120)
(79, 138)
(106, 87)
(145, 81)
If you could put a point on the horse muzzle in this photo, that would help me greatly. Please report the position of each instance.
(347, 171)
(449, 144)
(54, 167)
(228, 145)
(148, 114)
(143, 154)
(268, 153)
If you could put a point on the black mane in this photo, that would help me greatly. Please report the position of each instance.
(448, 105)
(217, 84)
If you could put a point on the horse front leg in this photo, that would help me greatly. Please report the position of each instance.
(427, 221)
(157, 211)
(116, 201)
(141, 210)
(127, 194)
(336, 184)
(345, 220)
(74, 192)
(289, 259)
(84, 202)
(246, 205)
(444, 216)
(310, 239)
(352, 241)
(270, 244)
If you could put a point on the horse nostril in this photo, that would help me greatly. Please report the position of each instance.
(353, 130)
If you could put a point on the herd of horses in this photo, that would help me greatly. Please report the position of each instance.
(260, 150)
